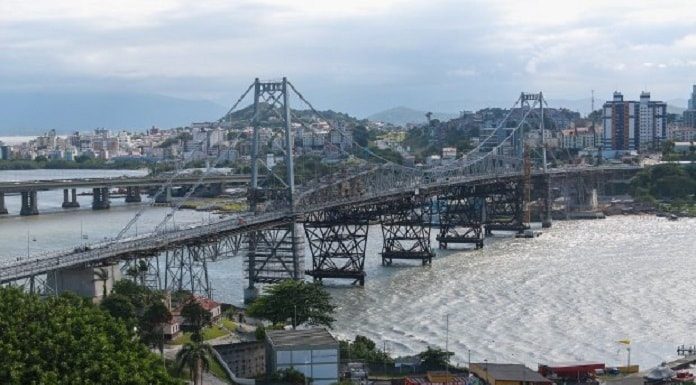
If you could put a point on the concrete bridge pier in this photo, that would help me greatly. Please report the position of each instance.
(3, 208)
(100, 198)
(29, 203)
(86, 281)
(67, 201)
(133, 195)
(165, 196)
(547, 206)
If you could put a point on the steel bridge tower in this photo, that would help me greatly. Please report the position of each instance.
(274, 254)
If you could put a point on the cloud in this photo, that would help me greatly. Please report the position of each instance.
(358, 56)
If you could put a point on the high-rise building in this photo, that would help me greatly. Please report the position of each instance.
(634, 125)
(690, 113)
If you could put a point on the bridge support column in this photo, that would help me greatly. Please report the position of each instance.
(547, 206)
(461, 210)
(165, 196)
(3, 208)
(29, 203)
(505, 207)
(90, 282)
(133, 195)
(406, 230)
(67, 202)
(337, 241)
(100, 198)
(275, 254)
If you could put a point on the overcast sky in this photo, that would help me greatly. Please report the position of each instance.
(356, 56)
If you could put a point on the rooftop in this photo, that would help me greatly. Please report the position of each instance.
(510, 372)
(306, 337)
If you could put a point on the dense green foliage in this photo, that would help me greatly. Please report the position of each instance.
(139, 308)
(298, 302)
(289, 376)
(196, 316)
(364, 349)
(434, 358)
(67, 340)
(667, 181)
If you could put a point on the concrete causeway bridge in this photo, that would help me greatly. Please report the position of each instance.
(101, 188)
(495, 187)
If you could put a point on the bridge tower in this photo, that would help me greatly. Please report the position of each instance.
(274, 254)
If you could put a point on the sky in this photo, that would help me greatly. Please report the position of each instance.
(359, 56)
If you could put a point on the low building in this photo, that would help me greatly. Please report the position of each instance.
(507, 374)
(436, 378)
(314, 352)
(578, 138)
(171, 330)
(245, 359)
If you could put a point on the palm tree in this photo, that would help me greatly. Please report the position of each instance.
(196, 356)
(102, 274)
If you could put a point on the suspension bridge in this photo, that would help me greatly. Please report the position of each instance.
(491, 188)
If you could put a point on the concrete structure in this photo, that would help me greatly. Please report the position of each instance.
(314, 352)
(507, 374)
(101, 187)
(245, 359)
(90, 282)
(631, 125)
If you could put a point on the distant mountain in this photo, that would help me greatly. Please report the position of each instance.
(24, 113)
(403, 115)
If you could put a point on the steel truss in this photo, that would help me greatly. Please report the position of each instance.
(185, 267)
(36, 284)
(337, 240)
(274, 254)
(406, 230)
(505, 206)
(461, 211)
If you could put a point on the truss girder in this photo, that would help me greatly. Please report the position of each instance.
(405, 227)
(274, 254)
(461, 211)
(337, 241)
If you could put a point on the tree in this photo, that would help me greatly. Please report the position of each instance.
(151, 324)
(363, 348)
(102, 274)
(195, 356)
(196, 316)
(297, 301)
(68, 340)
(290, 376)
(360, 135)
(119, 306)
(434, 358)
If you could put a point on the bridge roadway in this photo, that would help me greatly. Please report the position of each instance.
(43, 185)
(152, 243)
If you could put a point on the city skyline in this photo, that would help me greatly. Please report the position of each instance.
(359, 58)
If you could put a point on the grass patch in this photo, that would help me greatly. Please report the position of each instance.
(229, 324)
(208, 333)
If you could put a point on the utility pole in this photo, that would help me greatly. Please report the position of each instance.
(447, 347)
